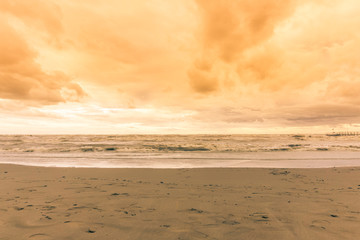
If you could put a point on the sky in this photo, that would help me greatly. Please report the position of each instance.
(179, 66)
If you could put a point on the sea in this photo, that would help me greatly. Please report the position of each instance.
(182, 151)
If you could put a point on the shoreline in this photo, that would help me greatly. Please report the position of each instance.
(210, 203)
(175, 168)
(308, 159)
(275, 165)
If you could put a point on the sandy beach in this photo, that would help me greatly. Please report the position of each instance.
(81, 203)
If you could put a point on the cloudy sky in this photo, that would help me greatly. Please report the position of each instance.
(179, 66)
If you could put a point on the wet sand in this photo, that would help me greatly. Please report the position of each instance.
(75, 203)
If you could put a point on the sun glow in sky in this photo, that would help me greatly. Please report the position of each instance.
(180, 66)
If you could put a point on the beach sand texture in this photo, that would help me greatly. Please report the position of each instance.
(73, 203)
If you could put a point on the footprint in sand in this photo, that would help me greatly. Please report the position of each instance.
(230, 222)
(196, 210)
(39, 236)
(260, 217)
(30, 223)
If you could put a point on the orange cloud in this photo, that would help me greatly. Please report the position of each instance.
(230, 27)
(202, 81)
(230, 63)
(22, 78)
(42, 14)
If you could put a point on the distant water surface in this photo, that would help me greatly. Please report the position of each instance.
(180, 151)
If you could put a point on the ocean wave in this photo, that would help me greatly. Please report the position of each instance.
(175, 143)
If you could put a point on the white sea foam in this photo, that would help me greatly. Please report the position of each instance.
(181, 151)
